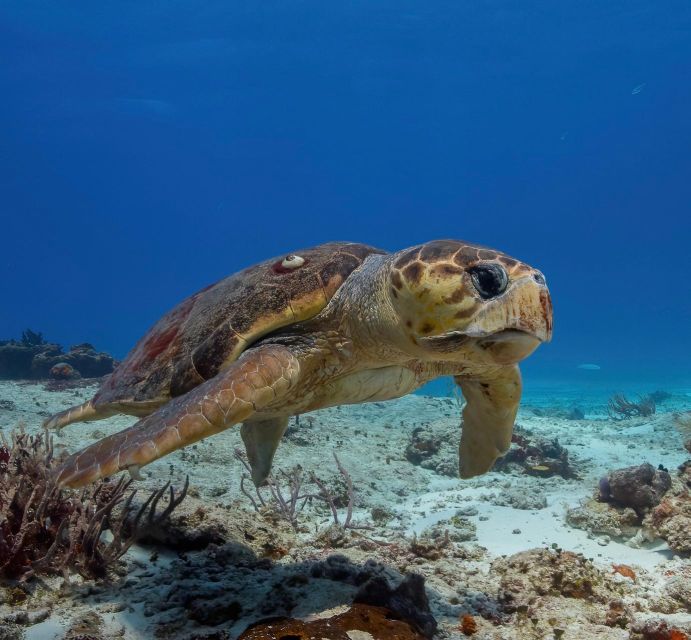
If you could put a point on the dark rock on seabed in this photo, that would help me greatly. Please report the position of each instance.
(32, 358)
(637, 487)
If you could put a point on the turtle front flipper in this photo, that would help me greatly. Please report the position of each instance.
(488, 419)
(261, 376)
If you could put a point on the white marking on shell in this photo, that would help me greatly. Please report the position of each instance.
(292, 262)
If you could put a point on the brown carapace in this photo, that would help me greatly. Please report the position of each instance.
(338, 323)
(209, 330)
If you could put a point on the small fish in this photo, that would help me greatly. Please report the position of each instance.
(637, 89)
(589, 367)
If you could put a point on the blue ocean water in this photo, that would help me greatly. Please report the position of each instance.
(151, 148)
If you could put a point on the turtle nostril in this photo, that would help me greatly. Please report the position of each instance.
(539, 278)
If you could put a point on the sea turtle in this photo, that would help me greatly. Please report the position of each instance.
(340, 323)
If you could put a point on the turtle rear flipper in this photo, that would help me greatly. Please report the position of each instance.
(80, 413)
(261, 438)
(260, 377)
(91, 410)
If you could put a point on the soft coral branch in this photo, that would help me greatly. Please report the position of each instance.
(45, 529)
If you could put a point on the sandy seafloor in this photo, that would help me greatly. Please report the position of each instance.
(253, 566)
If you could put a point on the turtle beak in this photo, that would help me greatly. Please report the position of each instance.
(509, 346)
(513, 325)
(526, 307)
(508, 328)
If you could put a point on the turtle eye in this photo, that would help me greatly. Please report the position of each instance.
(489, 279)
(292, 261)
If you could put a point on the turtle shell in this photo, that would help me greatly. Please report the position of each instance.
(209, 330)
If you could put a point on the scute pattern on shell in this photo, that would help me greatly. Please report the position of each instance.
(210, 329)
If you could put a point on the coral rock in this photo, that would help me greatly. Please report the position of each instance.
(638, 487)
(617, 615)
(360, 621)
(82, 357)
(423, 445)
(656, 629)
(536, 456)
(539, 572)
(408, 600)
(603, 518)
(671, 520)
(64, 371)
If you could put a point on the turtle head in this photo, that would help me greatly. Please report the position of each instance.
(454, 298)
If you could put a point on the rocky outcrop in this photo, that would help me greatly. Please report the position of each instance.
(638, 487)
(671, 518)
(535, 456)
(32, 358)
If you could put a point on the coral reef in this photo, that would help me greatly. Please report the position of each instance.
(535, 456)
(432, 448)
(33, 358)
(217, 564)
(518, 499)
(671, 520)
(44, 529)
(640, 503)
(456, 528)
(660, 395)
(233, 585)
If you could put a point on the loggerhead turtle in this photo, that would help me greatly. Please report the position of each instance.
(340, 323)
